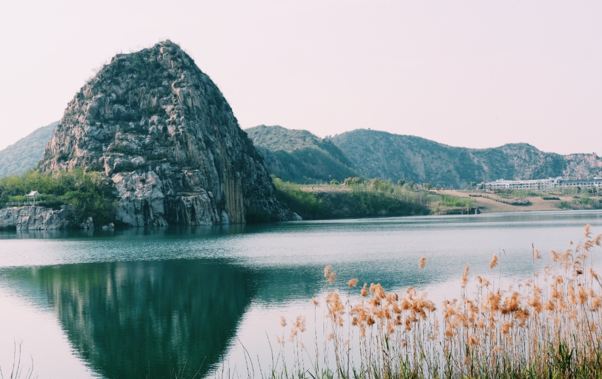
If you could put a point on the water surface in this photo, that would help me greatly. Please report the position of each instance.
(150, 302)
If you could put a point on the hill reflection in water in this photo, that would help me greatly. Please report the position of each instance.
(144, 302)
(147, 319)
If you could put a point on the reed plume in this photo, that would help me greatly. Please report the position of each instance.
(540, 327)
(493, 262)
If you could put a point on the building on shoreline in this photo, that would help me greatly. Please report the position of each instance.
(544, 185)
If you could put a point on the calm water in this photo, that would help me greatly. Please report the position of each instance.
(143, 303)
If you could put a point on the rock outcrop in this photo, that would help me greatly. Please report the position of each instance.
(34, 218)
(162, 131)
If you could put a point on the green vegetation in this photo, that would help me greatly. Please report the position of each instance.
(513, 193)
(87, 193)
(299, 156)
(581, 202)
(354, 200)
(456, 202)
(519, 201)
(25, 153)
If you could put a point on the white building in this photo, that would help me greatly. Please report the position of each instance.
(32, 195)
(544, 184)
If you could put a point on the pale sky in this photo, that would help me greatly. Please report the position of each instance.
(465, 73)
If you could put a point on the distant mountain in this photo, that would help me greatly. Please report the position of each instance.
(25, 153)
(392, 156)
(299, 156)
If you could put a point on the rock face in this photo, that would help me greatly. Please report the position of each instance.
(33, 218)
(162, 131)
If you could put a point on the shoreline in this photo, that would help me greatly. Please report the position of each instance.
(488, 205)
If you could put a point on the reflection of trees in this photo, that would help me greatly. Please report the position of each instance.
(148, 319)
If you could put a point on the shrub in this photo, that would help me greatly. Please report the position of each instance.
(454, 201)
(89, 194)
(304, 203)
(376, 198)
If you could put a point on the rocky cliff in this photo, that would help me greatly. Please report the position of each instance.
(33, 218)
(162, 131)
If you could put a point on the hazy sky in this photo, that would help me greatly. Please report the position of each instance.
(465, 73)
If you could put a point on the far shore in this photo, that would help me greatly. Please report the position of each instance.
(480, 204)
(485, 205)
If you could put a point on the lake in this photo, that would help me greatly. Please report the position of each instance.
(152, 302)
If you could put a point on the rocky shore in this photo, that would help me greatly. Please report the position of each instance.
(33, 218)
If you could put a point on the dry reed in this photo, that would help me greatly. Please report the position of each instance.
(547, 326)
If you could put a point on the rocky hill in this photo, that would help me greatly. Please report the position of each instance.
(392, 156)
(25, 153)
(296, 155)
(165, 136)
(299, 156)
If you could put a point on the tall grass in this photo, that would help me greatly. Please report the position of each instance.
(19, 370)
(549, 326)
(369, 199)
(455, 201)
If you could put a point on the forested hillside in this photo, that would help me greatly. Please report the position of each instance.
(299, 156)
(25, 153)
(420, 160)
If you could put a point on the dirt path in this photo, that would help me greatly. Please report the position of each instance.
(487, 205)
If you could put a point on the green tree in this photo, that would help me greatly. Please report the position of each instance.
(89, 194)
(401, 182)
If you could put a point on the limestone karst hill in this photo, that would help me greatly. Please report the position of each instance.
(165, 136)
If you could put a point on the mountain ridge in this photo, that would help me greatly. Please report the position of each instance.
(386, 155)
(300, 156)
(25, 154)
